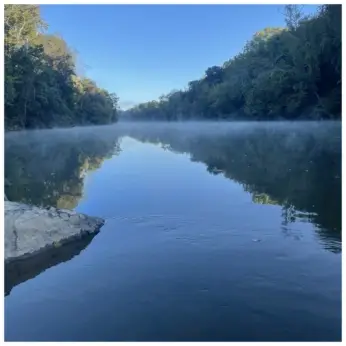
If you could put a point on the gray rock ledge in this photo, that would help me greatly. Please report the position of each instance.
(30, 230)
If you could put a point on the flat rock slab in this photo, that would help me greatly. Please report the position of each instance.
(30, 230)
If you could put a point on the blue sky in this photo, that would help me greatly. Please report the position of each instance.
(143, 51)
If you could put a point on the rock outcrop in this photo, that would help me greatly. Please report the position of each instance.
(30, 230)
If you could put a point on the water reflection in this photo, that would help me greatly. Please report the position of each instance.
(296, 166)
(22, 270)
(48, 168)
(184, 238)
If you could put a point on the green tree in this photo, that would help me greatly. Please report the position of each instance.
(282, 73)
(41, 86)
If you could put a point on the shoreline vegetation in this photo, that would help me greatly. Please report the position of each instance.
(291, 73)
(42, 87)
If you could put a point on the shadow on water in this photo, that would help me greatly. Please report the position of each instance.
(20, 271)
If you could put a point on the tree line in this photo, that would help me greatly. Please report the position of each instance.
(42, 88)
(286, 73)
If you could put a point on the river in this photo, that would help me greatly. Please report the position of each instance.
(214, 232)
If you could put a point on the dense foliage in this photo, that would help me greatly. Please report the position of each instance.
(282, 73)
(41, 85)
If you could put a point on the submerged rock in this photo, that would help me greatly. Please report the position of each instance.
(30, 230)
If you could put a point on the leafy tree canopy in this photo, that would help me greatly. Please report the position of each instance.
(41, 85)
(282, 73)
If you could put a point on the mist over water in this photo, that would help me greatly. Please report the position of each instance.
(214, 231)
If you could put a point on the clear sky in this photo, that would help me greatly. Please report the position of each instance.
(143, 51)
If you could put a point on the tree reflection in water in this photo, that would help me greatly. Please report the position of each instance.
(295, 166)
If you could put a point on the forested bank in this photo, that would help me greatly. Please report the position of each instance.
(282, 73)
(42, 88)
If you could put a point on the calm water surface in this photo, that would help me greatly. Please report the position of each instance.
(213, 232)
